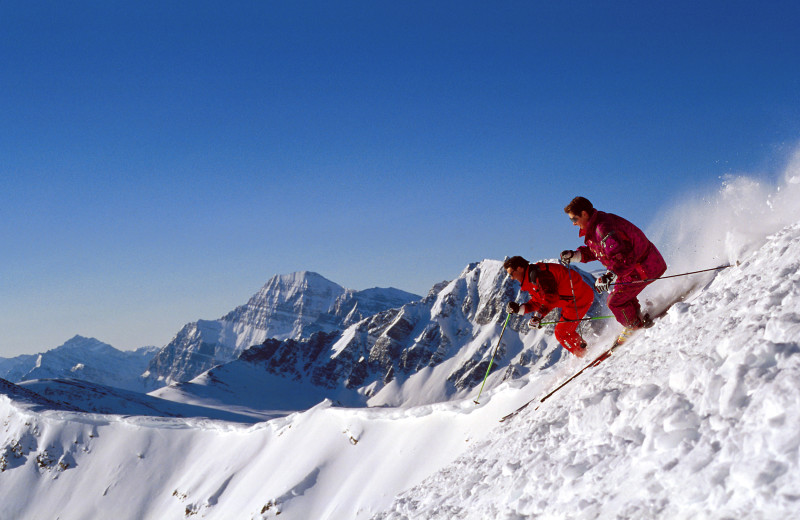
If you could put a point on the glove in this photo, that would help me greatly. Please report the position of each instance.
(536, 321)
(603, 283)
(512, 308)
(570, 256)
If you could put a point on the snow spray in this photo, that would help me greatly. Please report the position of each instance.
(724, 226)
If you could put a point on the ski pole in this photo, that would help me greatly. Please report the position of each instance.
(492, 358)
(676, 275)
(574, 299)
(582, 319)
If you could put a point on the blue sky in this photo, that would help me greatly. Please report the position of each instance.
(162, 160)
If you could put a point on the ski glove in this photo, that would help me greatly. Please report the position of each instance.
(512, 308)
(536, 320)
(604, 283)
(570, 256)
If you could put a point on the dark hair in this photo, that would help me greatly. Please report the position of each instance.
(578, 205)
(514, 262)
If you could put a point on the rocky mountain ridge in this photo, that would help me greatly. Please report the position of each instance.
(292, 306)
(440, 346)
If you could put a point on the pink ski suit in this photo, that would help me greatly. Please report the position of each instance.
(624, 250)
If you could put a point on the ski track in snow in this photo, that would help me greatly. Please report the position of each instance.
(695, 418)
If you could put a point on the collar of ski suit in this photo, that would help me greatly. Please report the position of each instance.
(591, 224)
(527, 285)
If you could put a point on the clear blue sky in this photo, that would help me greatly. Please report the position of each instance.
(162, 160)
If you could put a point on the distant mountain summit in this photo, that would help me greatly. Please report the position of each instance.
(81, 358)
(292, 306)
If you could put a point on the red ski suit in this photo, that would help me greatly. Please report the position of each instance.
(624, 250)
(549, 287)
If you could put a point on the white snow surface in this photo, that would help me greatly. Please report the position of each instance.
(698, 417)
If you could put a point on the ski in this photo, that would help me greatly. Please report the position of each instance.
(596, 361)
(623, 339)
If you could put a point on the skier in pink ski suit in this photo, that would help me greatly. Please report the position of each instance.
(624, 250)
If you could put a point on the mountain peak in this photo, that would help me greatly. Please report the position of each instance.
(300, 278)
(289, 306)
(78, 342)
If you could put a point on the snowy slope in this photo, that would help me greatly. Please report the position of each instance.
(695, 418)
(246, 387)
(30, 399)
(91, 397)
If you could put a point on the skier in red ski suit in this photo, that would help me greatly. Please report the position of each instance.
(624, 250)
(549, 287)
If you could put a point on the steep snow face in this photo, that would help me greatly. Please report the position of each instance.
(82, 358)
(14, 369)
(696, 418)
(427, 351)
(320, 464)
(290, 306)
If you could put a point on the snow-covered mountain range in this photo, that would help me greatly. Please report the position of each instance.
(695, 418)
(82, 358)
(426, 351)
(290, 306)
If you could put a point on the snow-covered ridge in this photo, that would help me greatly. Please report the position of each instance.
(92, 397)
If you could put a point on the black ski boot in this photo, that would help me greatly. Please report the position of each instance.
(647, 321)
